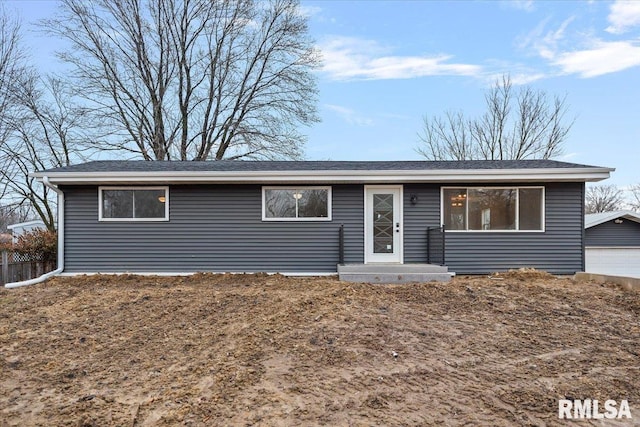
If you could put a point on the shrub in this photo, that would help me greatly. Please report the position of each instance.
(38, 244)
(6, 245)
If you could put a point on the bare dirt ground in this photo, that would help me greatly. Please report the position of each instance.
(268, 350)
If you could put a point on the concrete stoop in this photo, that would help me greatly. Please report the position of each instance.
(393, 273)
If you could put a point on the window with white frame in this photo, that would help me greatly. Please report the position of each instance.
(134, 203)
(296, 203)
(493, 208)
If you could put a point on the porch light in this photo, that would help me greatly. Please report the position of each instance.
(162, 199)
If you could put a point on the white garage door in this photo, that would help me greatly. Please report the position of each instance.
(613, 261)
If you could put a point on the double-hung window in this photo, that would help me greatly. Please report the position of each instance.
(493, 208)
(296, 203)
(133, 203)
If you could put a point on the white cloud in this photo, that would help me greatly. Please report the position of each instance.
(349, 115)
(309, 11)
(593, 57)
(569, 156)
(526, 5)
(599, 59)
(545, 43)
(623, 16)
(348, 58)
(518, 73)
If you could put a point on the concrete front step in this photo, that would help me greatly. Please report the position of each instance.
(392, 268)
(393, 273)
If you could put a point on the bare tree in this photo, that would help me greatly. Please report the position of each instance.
(634, 200)
(11, 68)
(46, 130)
(603, 198)
(516, 125)
(12, 215)
(194, 79)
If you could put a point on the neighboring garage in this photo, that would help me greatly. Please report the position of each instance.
(612, 243)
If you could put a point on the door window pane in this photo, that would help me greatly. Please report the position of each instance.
(383, 223)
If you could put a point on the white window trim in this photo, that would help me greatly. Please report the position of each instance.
(517, 187)
(101, 218)
(297, 219)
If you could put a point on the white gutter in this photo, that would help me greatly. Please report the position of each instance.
(46, 276)
(588, 174)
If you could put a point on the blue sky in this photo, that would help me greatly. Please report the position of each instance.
(388, 63)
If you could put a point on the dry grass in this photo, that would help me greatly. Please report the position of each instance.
(268, 350)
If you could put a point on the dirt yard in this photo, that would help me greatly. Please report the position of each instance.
(268, 350)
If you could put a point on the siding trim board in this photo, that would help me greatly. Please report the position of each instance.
(191, 273)
(322, 177)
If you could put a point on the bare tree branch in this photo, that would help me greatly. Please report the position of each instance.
(46, 130)
(11, 69)
(634, 201)
(522, 125)
(194, 79)
(12, 214)
(603, 198)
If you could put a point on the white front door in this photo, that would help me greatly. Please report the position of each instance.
(383, 224)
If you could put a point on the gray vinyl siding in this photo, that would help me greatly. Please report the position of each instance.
(418, 217)
(610, 234)
(558, 249)
(211, 228)
(220, 228)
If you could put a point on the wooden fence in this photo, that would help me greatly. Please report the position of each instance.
(15, 268)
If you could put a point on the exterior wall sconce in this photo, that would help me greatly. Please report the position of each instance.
(413, 199)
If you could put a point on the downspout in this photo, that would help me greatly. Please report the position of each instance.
(46, 276)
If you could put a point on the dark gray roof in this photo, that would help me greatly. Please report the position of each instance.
(264, 166)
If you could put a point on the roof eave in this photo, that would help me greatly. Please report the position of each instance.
(629, 215)
(325, 176)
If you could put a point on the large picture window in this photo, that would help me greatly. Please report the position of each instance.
(296, 204)
(493, 209)
(134, 203)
